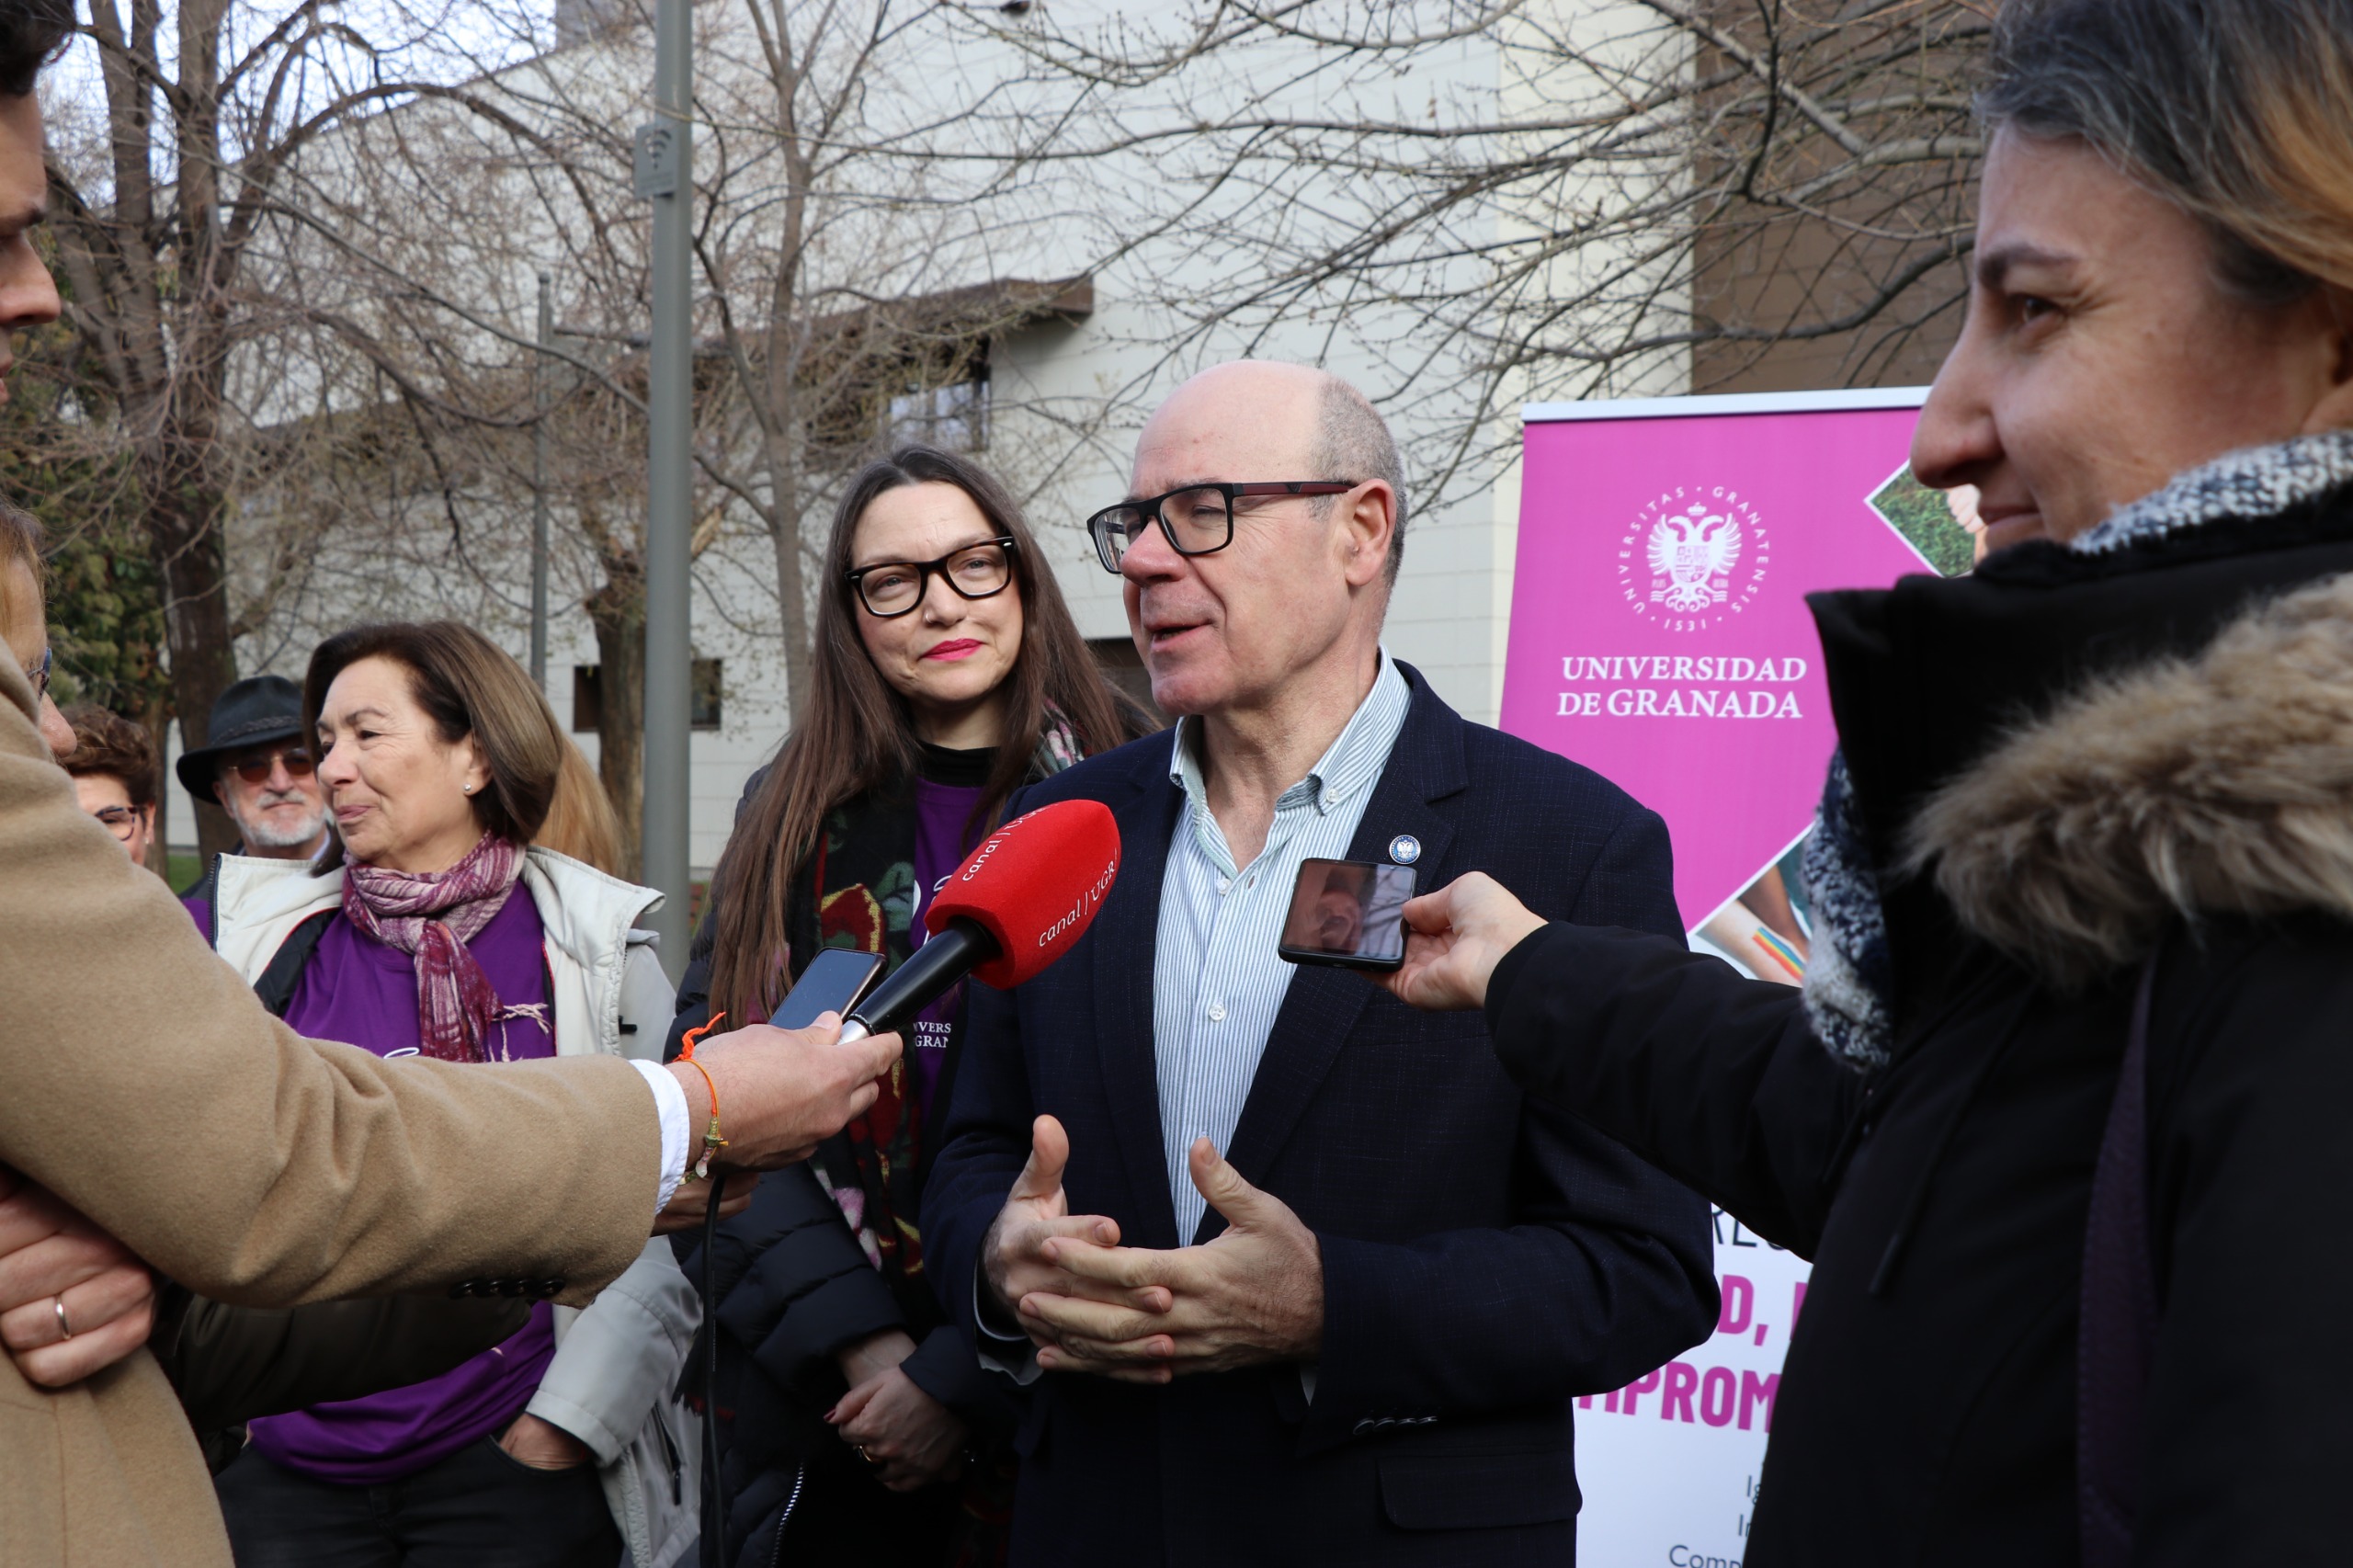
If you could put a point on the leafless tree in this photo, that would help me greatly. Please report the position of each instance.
(168, 183)
(1502, 200)
(854, 281)
(868, 235)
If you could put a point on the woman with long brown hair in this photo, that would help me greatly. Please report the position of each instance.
(947, 673)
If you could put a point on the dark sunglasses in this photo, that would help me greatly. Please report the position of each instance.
(257, 770)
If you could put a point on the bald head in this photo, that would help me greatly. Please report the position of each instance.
(1266, 411)
(1286, 613)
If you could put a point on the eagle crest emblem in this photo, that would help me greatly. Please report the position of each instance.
(1691, 556)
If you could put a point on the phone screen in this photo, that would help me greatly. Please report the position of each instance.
(1350, 912)
(834, 981)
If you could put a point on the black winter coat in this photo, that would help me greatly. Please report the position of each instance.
(1927, 1410)
(793, 1289)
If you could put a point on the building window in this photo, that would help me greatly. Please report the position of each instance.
(936, 393)
(587, 699)
(704, 711)
(953, 418)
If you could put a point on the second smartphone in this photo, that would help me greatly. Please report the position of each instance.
(1348, 913)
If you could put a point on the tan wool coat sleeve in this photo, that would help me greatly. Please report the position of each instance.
(145, 1086)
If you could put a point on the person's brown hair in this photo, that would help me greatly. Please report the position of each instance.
(854, 733)
(2238, 111)
(107, 745)
(581, 822)
(467, 686)
(32, 33)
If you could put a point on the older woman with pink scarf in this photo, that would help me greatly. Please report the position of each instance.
(431, 927)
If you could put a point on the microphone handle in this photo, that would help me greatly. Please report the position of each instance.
(954, 952)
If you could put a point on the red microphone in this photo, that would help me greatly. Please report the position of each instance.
(1021, 901)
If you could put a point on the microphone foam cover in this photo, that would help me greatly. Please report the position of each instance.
(1035, 885)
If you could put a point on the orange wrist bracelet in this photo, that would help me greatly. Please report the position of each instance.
(712, 1141)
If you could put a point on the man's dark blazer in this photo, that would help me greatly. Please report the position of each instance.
(1485, 1258)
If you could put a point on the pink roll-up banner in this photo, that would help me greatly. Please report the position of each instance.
(1659, 636)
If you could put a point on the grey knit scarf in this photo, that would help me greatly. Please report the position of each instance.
(1849, 980)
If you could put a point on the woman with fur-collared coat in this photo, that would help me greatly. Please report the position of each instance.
(2077, 1295)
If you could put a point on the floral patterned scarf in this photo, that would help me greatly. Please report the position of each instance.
(861, 893)
(432, 917)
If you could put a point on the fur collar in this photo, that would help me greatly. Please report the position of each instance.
(2218, 784)
(2213, 784)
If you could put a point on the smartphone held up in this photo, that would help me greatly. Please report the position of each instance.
(835, 981)
(1348, 915)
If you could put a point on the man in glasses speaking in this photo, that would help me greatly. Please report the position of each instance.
(257, 763)
(1297, 1275)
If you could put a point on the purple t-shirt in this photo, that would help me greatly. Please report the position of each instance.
(361, 992)
(943, 837)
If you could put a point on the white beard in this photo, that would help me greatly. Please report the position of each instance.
(266, 835)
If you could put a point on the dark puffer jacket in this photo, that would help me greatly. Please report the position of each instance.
(795, 1288)
(2096, 757)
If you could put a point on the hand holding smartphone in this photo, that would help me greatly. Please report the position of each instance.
(1347, 914)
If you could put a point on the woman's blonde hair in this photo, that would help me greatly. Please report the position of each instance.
(20, 546)
(467, 686)
(2238, 111)
(581, 822)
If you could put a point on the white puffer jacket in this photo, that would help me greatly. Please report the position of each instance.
(617, 1360)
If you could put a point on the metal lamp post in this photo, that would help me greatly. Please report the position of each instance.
(539, 492)
(665, 171)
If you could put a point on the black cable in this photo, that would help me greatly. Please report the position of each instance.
(710, 1509)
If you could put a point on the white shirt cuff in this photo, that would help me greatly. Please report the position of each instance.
(1016, 1358)
(670, 1101)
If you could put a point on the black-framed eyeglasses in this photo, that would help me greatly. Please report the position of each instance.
(1197, 519)
(121, 821)
(38, 675)
(978, 570)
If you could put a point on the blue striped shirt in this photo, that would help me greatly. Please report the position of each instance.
(1217, 984)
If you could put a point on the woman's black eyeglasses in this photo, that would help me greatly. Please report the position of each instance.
(891, 588)
(1197, 519)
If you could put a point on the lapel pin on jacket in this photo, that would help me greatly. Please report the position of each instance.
(1404, 849)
